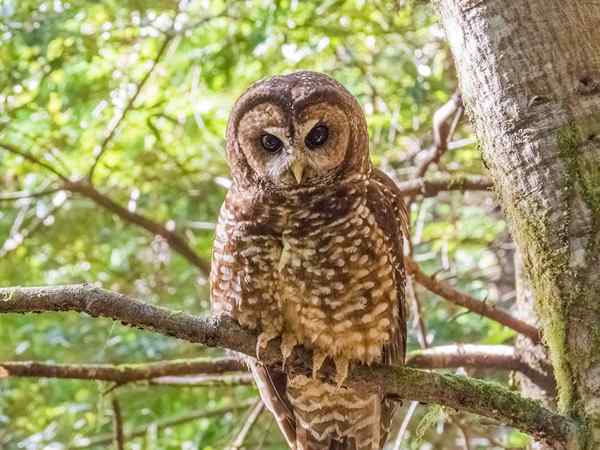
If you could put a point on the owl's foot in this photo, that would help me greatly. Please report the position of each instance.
(288, 342)
(341, 370)
(318, 360)
(263, 340)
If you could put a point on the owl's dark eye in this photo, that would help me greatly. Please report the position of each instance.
(271, 143)
(317, 136)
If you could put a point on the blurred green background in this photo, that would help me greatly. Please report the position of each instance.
(68, 70)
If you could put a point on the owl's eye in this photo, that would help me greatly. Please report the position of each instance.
(271, 143)
(316, 137)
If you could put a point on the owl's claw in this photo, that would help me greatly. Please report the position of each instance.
(318, 360)
(262, 341)
(341, 370)
(288, 342)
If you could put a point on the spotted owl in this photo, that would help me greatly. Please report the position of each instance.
(308, 249)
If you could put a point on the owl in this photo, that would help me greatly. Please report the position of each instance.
(308, 249)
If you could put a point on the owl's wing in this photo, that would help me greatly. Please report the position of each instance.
(385, 201)
(243, 246)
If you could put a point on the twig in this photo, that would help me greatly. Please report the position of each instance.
(118, 439)
(430, 187)
(116, 122)
(255, 413)
(105, 439)
(447, 292)
(445, 121)
(227, 380)
(24, 235)
(19, 195)
(175, 241)
(409, 413)
(34, 160)
(412, 294)
(455, 391)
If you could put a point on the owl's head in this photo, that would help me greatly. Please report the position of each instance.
(298, 130)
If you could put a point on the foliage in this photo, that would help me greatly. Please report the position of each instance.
(69, 72)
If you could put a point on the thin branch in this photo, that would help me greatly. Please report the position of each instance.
(404, 426)
(116, 122)
(106, 439)
(175, 241)
(445, 121)
(200, 371)
(447, 292)
(118, 438)
(10, 245)
(227, 380)
(430, 187)
(19, 195)
(501, 357)
(255, 413)
(33, 159)
(459, 392)
(122, 373)
(416, 307)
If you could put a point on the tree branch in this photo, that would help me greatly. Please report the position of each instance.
(478, 356)
(122, 373)
(255, 413)
(33, 159)
(445, 121)
(200, 370)
(118, 437)
(447, 292)
(230, 379)
(455, 391)
(175, 241)
(12, 196)
(430, 187)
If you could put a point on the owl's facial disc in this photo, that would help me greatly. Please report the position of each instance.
(292, 148)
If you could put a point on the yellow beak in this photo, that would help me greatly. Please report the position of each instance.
(297, 170)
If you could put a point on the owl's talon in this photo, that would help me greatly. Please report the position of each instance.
(263, 341)
(318, 360)
(341, 371)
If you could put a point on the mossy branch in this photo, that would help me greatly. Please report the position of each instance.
(458, 392)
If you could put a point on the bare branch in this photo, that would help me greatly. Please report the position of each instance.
(175, 241)
(231, 379)
(116, 122)
(19, 195)
(201, 371)
(501, 357)
(33, 159)
(11, 244)
(118, 438)
(255, 413)
(430, 187)
(122, 373)
(447, 292)
(471, 395)
(445, 121)
(106, 439)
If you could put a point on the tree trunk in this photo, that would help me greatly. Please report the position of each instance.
(536, 356)
(529, 73)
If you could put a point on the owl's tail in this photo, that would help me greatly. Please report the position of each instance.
(331, 418)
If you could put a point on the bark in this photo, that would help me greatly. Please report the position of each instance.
(529, 74)
(535, 356)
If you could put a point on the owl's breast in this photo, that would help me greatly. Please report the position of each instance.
(337, 288)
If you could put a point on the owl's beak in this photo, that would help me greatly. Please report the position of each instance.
(297, 169)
